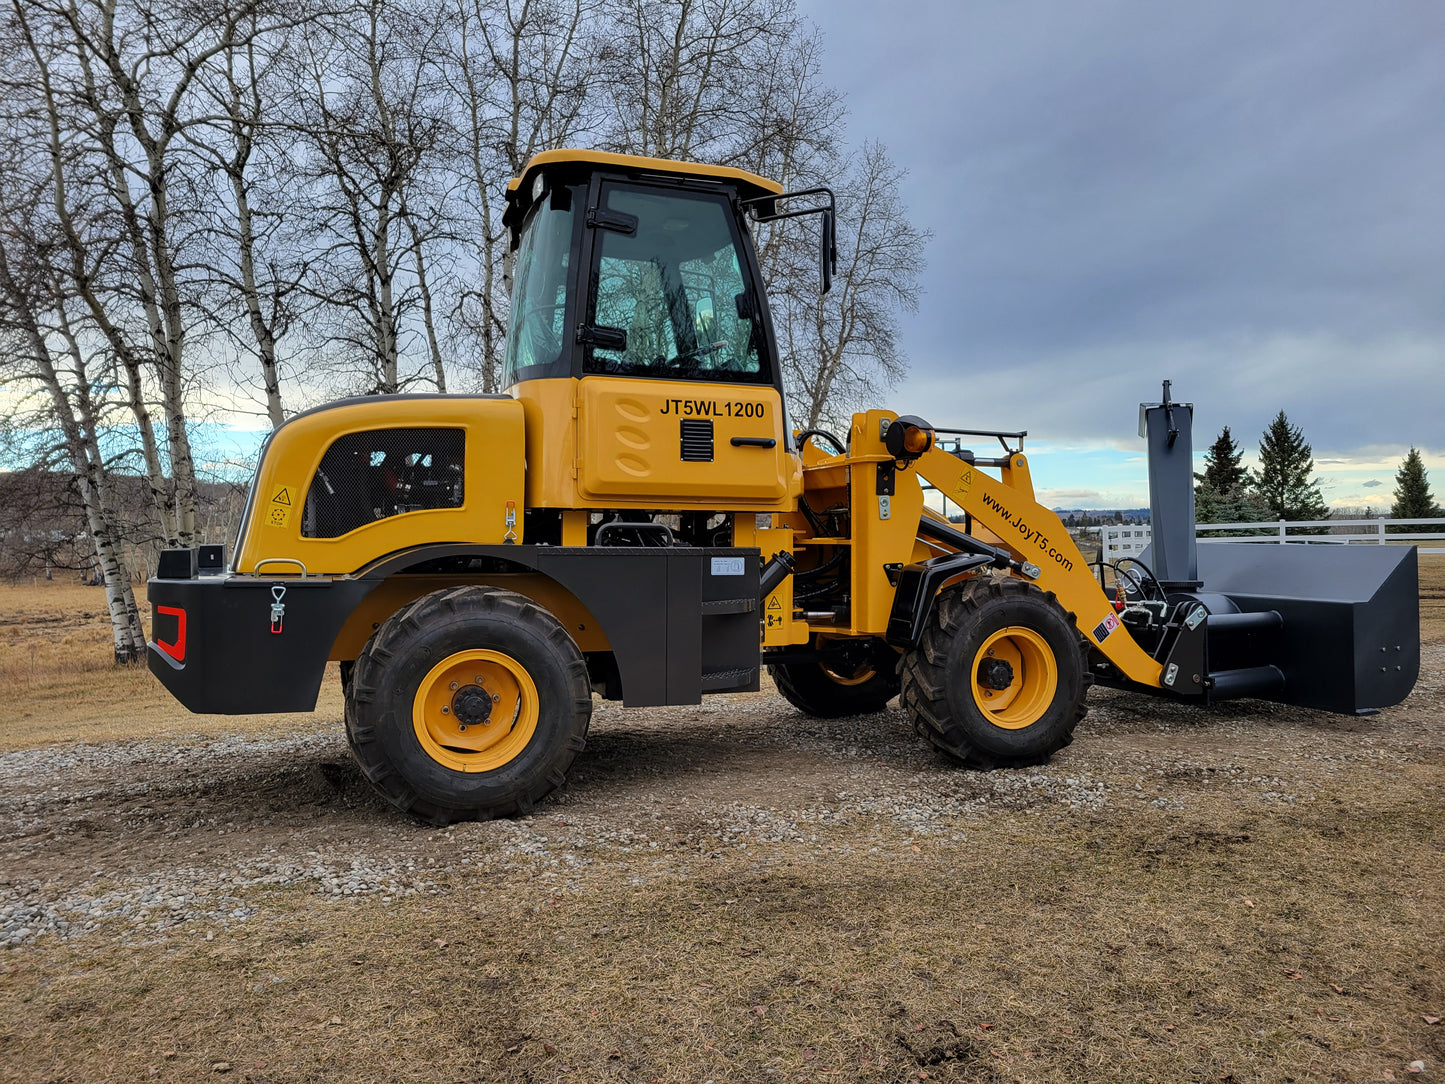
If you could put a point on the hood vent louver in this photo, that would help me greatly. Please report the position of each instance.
(696, 440)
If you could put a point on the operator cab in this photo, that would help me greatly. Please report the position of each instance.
(640, 340)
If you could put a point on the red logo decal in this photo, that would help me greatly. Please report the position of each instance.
(176, 650)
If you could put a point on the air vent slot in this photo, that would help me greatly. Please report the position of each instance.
(696, 440)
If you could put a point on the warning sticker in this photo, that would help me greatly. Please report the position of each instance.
(1106, 626)
(278, 511)
(964, 483)
(774, 603)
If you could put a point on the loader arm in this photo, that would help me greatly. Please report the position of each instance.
(1034, 534)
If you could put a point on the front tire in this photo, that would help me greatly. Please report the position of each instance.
(998, 678)
(470, 703)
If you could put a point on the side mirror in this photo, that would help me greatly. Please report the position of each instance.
(765, 209)
(828, 251)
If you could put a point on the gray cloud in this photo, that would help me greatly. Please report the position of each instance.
(1245, 198)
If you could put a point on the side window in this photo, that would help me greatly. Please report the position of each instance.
(675, 287)
(536, 324)
(368, 476)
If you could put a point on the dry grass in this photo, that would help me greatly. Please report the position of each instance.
(1222, 946)
(59, 681)
(1432, 597)
(1230, 940)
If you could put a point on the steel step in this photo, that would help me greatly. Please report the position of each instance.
(720, 681)
(729, 606)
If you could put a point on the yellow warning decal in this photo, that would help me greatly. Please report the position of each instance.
(774, 603)
(964, 483)
(278, 511)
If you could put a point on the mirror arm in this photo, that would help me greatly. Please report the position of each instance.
(765, 209)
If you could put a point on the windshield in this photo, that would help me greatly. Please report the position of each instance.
(676, 286)
(535, 326)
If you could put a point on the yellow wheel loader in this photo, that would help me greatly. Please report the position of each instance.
(636, 518)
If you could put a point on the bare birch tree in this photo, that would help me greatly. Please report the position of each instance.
(365, 106)
(40, 347)
(684, 77)
(242, 181)
(258, 266)
(117, 84)
(841, 351)
(52, 97)
(520, 70)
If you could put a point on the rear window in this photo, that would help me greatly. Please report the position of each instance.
(379, 473)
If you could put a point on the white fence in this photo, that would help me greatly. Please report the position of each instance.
(1130, 539)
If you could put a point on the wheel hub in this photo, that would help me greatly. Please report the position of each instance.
(472, 705)
(995, 674)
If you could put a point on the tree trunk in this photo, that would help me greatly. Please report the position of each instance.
(433, 347)
(78, 428)
(265, 337)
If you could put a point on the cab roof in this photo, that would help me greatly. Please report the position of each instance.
(519, 189)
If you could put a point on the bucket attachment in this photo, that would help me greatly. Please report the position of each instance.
(1347, 633)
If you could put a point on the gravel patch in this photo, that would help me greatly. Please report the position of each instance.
(156, 839)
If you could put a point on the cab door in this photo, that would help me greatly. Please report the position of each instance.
(678, 405)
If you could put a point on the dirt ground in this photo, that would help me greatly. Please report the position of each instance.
(731, 892)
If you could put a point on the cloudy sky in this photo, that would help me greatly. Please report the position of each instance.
(1245, 198)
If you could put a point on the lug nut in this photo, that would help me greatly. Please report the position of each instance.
(453, 686)
(446, 710)
(496, 698)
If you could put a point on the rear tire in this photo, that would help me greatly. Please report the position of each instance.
(998, 678)
(861, 681)
(470, 703)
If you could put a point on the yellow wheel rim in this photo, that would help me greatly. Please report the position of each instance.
(475, 711)
(1034, 678)
(864, 671)
(858, 677)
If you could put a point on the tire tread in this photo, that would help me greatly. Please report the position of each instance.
(925, 676)
(389, 644)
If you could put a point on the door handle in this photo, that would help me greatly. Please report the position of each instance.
(754, 442)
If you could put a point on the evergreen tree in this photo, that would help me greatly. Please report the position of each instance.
(1283, 483)
(1223, 465)
(1412, 491)
(1238, 505)
(1223, 494)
